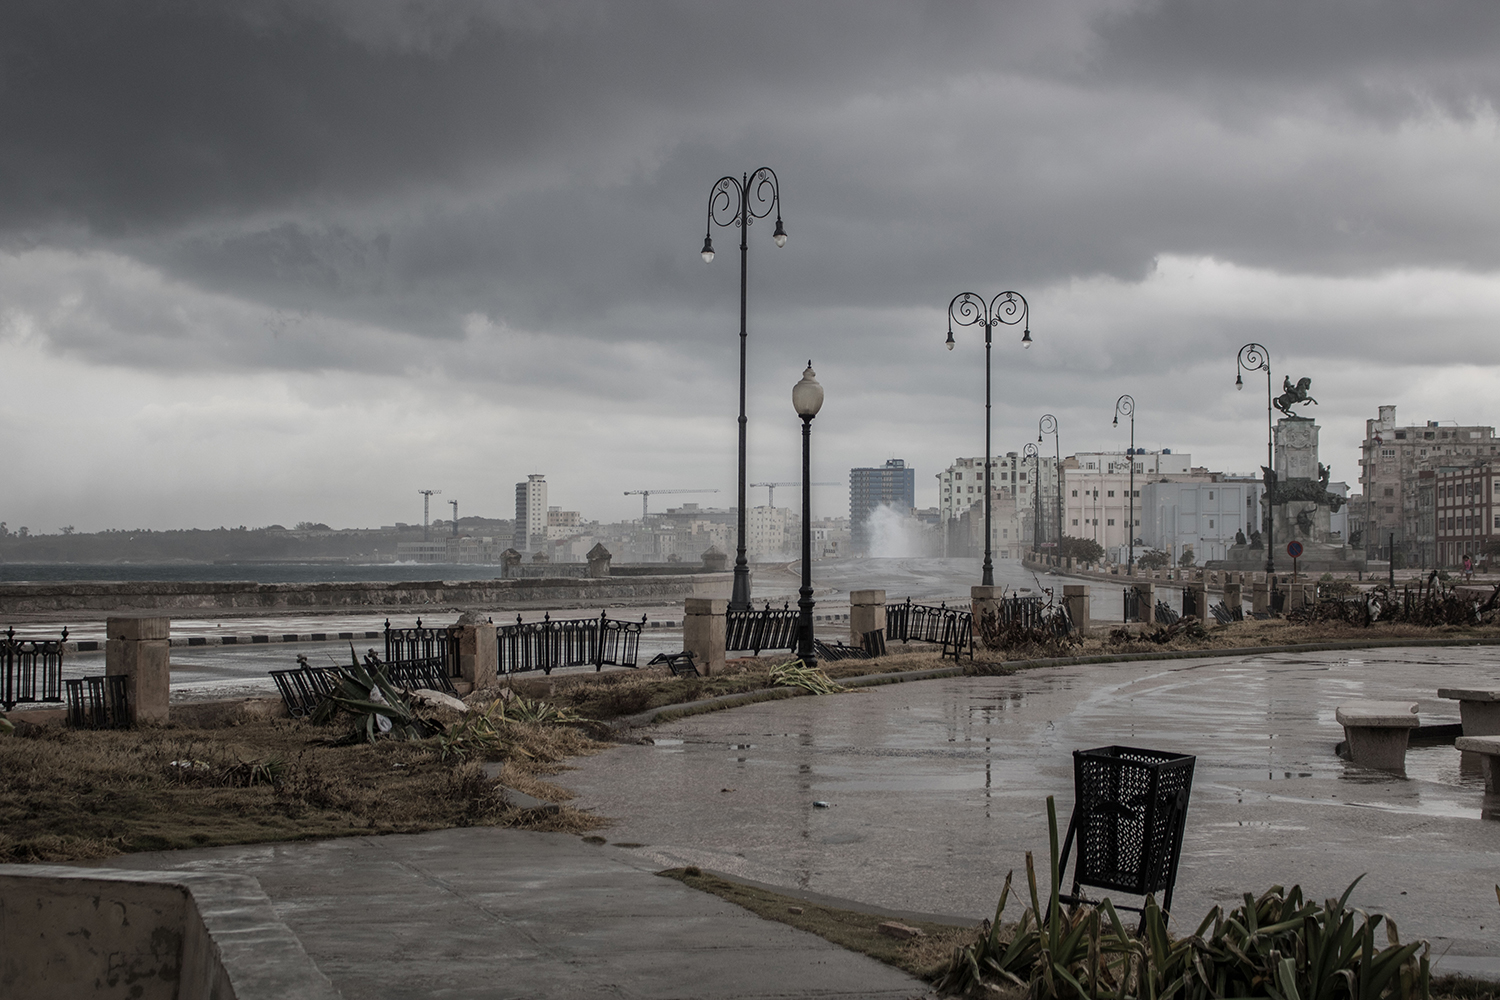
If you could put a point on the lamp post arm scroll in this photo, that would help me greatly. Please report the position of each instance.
(1125, 407)
(1254, 357)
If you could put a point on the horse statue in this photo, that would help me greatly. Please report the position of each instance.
(1293, 395)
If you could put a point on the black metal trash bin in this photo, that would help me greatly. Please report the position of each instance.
(1129, 813)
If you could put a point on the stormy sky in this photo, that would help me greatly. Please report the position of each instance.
(270, 262)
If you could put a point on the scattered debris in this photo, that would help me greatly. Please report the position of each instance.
(891, 928)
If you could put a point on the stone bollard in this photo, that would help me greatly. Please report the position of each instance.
(1260, 597)
(1233, 596)
(983, 599)
(138, 648)
(866, 614)
(1296, 596)
(599, 558)
(714, 561)
(703, 632)
(478, 651)
(1195, 600)
(1146, 597)
(1076, 597)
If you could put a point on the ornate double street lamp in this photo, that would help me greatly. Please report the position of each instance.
(1048, 425)
(807, 399)
(739, 201)
(1125, 406)
(1255, 358)
(1032, 452)
(968, 309)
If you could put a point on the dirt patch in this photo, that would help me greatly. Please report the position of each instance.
(923, 956)
(69, 795)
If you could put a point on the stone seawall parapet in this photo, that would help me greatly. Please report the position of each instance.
(41, 598)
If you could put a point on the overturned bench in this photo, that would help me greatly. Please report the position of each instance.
(1377, 732)
(1488, 749)
(1479, 709)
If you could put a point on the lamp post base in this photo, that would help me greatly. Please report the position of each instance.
(739, 596)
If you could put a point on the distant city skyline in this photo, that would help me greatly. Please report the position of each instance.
(268, 263)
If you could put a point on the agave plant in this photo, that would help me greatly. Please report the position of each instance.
(377, 706)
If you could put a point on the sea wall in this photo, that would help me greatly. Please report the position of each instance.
(26, 598)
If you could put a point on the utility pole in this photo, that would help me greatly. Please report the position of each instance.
(426, 499)
(454, 505)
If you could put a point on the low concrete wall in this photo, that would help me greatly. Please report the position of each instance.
(92, 932)
(42, 598)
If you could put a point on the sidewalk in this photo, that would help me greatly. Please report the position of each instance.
(496, 913)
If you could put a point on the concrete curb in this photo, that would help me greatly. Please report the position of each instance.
(724, 701)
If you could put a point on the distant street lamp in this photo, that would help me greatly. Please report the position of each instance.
(1255, 358)
(807, 399)
(1032, 452)
(739, 201)
(1048, 425)
(968, 309)
(1125, 406)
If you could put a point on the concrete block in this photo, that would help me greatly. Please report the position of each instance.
(1260, 597)
(1195, 600)
(1076, 597)
(866, 614)
(1147, 592)
(135, 628)
(478, 654)
(1478, 709)
(703, 632)
(147, 667)
(1234, 597)
(1378, 732)
(982, 600)
(1487, 748)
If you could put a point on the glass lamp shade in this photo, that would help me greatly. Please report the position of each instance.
(708, 250)
(1026, 338)
(780, 234)
(807, 395)
(950, 339)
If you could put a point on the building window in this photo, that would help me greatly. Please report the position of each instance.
(1075, 522)
(1388, 453)
(1389, 492)
(1111, 492)
(1075, 493)
(1210, 522)
(1110, 523)
(1210, 494)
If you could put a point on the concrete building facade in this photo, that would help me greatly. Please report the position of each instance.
(530, 532)
(890, 485)
(1465, 518)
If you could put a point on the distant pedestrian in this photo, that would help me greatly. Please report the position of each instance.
(1468, 567)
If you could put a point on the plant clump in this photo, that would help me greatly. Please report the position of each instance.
(795, 673)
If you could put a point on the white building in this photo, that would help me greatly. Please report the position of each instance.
(1204, 515)
(772, 532)
(1097, 494)
(530, 533)
(961, 486)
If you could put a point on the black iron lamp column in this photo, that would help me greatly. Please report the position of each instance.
(1125, 406)
(1032, 452)
(1048, 425)
(739, 201)
(968, 309)
(1255, 358)
(807, 399)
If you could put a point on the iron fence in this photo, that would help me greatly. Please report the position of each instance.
(568, 642)
(99, 702)
(30, 669)
(436, 649)
(768, 628)
(951, 628)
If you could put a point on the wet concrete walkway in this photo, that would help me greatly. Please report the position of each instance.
(496, 914)
(936, 789)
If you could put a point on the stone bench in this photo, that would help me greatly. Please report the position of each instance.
(1488, 749)
(1377, 732)
(1479, 710)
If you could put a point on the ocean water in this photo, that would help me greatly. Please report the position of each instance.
(242, 572)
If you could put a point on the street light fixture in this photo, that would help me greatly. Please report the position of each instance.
(1032, 452)
(1255, 358)
(1048, 425)
(968, 309)
(739, 201)
(1125, 406)
(807, 399)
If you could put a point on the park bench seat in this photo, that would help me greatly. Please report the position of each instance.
(1488, 749)
(1478, 708)
(1377, 732)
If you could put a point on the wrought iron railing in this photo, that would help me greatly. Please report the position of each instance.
(568, 642)
(421, 650)
(99, 702)
(768, 628)
(30, 669)
(951, 628)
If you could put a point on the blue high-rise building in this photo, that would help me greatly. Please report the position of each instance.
(891, 485)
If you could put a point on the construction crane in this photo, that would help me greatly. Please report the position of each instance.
(454, 505)
(427, 496)
(771, 489)
(645, 496)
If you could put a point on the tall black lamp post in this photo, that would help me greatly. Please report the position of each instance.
(1048, 425)
(1255, 358)
(968, 309)
(739, 201)
(1032, 452)
(1125, 406)
(807, 399)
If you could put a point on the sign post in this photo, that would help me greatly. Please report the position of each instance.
(1294, 549)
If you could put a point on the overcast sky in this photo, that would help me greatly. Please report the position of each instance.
(272, 262)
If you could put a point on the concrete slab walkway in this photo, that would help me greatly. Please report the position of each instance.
(492, 913)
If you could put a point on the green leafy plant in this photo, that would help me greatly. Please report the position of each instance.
(364, 692)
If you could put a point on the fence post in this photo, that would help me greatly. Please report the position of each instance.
(138, 647)
(866, 614)
(984, 600)
(1234, 597)
(1196, 591)
(1076, 597)
(478, 651)
(703, 632)
(1146, 598)
(1260, 597)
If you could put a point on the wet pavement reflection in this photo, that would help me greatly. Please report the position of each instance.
(933, 790)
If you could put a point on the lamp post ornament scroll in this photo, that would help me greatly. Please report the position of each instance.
(739, 201)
